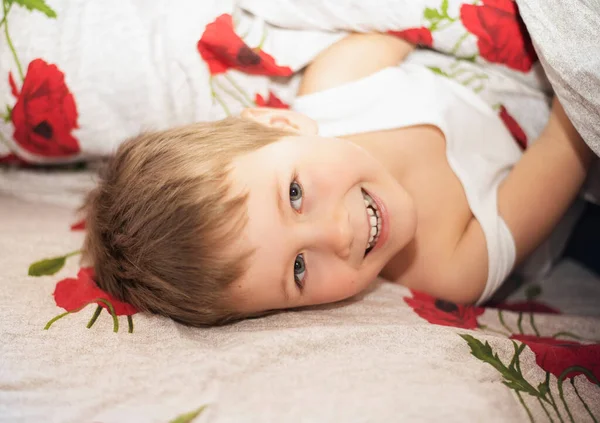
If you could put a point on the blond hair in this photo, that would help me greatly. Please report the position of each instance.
(162, 217)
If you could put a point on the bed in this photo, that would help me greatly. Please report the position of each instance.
(71, 353)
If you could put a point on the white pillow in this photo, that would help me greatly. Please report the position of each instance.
(86, 75)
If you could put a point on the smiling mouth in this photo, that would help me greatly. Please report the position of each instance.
(374, 217)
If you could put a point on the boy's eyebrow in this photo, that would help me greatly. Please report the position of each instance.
(280, 207)
(280, 201)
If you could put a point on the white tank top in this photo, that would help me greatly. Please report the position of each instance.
(479, 148)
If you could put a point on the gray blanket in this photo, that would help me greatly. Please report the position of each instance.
(566, 36)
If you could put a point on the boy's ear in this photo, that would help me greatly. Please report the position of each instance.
(288, 120)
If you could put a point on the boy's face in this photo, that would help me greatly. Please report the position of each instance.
(309, 225)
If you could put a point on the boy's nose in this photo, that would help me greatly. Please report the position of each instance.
(335, 233)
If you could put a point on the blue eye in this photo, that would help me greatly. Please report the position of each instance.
(299, 270)
(296, 195)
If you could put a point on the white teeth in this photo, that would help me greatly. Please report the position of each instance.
(374, 218)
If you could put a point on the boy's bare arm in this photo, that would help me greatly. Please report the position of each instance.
(354, 57)
(531, 200)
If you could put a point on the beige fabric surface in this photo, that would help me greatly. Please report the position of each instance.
(367, 360)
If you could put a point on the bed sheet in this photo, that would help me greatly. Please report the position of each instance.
(390, 355)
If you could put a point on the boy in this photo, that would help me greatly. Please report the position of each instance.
(422, 185)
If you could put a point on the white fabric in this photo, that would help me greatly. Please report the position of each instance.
(383, 16)
(479, 148)
(134, 65)
(372, 359)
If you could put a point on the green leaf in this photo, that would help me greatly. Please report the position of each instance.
(188, 417)
(431, 14)
(513, 378)
(543, 389)
(8, 115)
(533, 291)
(468, 58)
(437, 70)
(444, 7)
(47, 267)
(39, 5)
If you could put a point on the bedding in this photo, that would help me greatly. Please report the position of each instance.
(80, 77)
(565, 35)
(390, 355)
(161, 66)
(73, 89)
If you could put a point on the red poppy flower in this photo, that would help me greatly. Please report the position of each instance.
(78, 226)
(421, 36)
(514, 128)
(222, 49)
(443, 313)
(72, 294)
(501, 33)
(557, 355)
(273, 101)
(12, 159)
(527, 306)
(45, 112)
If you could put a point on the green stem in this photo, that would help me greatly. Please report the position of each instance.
(501, 318)
(457, 72)
(489, 329)
(547, 384)
(130, 323)
(525, 406)
(545, 410)
(515, 360)
(518, 362)
(448, 24)
(238, 88)
(553, 404)
(583, 402)
(218, 99)
(94, 317)
(9, 40)
(459, 43)
(475, 77)
(583, 370)
(112, 313)
(531, 320)
(262, 39)
(6, 12)
(60, 316)
(102, 300)
(572, 335)
(520, 323)
(244, 35)
(562, 397)
(233, 94)
(72, 253)
(568, 335)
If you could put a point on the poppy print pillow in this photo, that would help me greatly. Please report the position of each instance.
(484, 31)
(71, 91)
